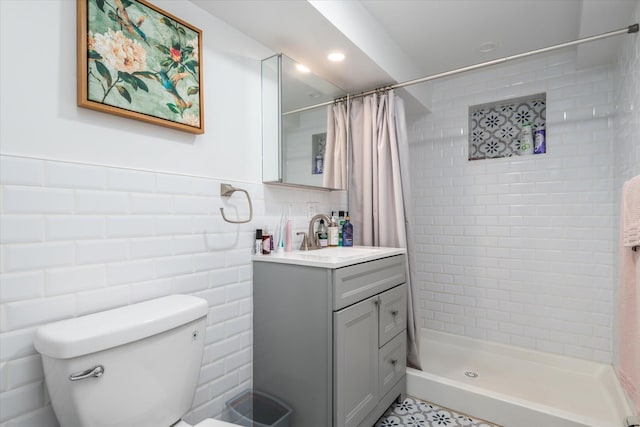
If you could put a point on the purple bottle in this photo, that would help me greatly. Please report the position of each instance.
(539, 142)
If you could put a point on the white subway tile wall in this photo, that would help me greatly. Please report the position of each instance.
(78, 238)
(520, 250)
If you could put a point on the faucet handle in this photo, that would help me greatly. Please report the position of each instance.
(304, 246)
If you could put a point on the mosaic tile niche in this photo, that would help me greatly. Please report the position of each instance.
(495, 128)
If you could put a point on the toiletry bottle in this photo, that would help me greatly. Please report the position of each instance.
(323, 233)
(526, 140)
(347, 232)
(266, 242)
(340, 224)
(257, 248)
(539, 144)
(288, 236)
(333, 231)
(319, 165)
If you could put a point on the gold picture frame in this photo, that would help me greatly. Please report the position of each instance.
(140, 62)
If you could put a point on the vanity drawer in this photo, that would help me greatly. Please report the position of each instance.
(392, 362)
(357, 282)
(393, 313)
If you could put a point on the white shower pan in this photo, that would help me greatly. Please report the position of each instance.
(516, 387)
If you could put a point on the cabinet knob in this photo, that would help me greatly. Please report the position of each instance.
(394, 312)
(376, 301)
(394, 362)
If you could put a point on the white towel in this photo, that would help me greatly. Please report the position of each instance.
(631, 212)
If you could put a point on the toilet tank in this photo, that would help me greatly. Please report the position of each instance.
(150, 354)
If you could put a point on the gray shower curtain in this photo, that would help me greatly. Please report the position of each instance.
(379, 189)
(335, 152)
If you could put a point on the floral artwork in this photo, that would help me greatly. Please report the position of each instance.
(137, 61)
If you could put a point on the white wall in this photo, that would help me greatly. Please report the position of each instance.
(99, 211)
(40, 118)
(520, 250)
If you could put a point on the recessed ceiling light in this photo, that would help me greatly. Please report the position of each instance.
(336, 56)
(302, 68)
(487, 47)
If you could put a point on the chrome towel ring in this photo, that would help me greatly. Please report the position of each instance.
(226, 190)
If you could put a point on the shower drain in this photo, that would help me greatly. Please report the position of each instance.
(471, 374)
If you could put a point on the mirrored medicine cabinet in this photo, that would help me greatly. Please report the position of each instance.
(293, 143)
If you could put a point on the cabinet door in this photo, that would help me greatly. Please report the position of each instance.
(393, 365)
(393, 313)
(356, 391)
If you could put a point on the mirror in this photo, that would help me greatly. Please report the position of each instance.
(293, 141)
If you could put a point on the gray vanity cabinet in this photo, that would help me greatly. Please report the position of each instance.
(356, 362)
(331, 342)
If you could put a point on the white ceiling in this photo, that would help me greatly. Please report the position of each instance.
(391, 41)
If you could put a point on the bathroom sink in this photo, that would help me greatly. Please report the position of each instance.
(342, 252)
(331, 257)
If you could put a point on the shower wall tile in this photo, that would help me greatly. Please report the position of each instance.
(78, 238)
(520, 250)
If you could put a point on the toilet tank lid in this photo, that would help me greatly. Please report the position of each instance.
(99, 331)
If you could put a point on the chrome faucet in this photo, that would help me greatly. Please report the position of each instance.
(312, 237)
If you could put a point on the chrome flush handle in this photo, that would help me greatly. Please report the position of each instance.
(95, 372)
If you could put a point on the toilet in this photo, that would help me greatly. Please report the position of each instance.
(131, 366)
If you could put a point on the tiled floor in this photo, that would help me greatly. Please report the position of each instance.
(413, 412)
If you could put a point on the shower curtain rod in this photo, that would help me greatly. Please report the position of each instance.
(628, 30)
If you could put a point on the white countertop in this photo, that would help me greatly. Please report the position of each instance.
(331, 257)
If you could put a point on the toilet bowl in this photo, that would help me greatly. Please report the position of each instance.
(131, 366)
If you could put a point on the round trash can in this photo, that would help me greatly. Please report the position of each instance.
(257, 409)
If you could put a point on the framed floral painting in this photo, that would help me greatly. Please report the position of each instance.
(137, 61)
